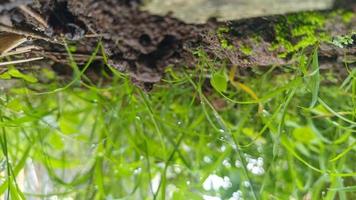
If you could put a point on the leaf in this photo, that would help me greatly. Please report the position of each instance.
(219, 81)
(340, 155)
(315, 79)
(17, 74)
(68, 123)
(9, 41)
(5, 76)
(304, 134)
(56, 141)
(67, 126)
(243, 87)
(15, 105)
(345, 189)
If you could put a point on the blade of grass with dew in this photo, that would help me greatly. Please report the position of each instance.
(336, 113)
(340, 155)
(345, 189)
(150, 111)
(315, 78)
(79, 74)
(291, 84)
(281, 123)
(162, 185)
(221, 122)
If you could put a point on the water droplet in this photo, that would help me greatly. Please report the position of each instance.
(221, 130)
(179, 123)
(260, 161)
(207, 159)
(177, 170)
(223, 148)
(238, 164)
(247, 183)
(137, 171)
(138, 117)
(265, 113)
(226, 163)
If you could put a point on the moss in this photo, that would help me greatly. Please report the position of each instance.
(344, 40)
(347, 17)
(299, 31)
(246, 50)
(225, 44)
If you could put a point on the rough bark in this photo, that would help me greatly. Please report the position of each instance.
(199, 11)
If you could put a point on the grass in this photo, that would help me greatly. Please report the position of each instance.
(286, 136)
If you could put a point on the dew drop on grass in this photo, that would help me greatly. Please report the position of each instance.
(179, 123)
(215, 182)
(177, 169)
(137, 171)
(93, 146)
(260, 161)
(221, 130)
(237, 195)
(207, 159)
(226, 163)
(265, 113)
(223, 148)
(109, 197)
(186, 147)
(247, 183)
(138, 117)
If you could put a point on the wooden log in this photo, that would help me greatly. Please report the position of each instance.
(199, 11)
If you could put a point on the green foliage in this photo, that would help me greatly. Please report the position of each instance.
(304, 134)
(15, 73)
(345, 40)
(225, 44)
(314, 81)
(299, 31)
(219, 81)
(246, 50)
(86, 140)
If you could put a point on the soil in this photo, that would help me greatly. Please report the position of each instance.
(143, 44)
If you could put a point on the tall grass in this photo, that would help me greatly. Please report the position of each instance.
(86, 140)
